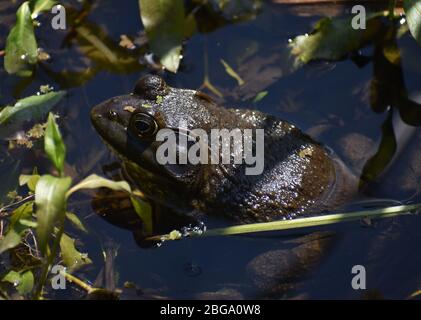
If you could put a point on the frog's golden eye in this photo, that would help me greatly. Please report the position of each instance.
(143, 125)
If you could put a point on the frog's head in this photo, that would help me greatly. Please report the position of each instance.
(130, 123)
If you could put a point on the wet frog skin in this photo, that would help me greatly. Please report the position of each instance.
(299, 174)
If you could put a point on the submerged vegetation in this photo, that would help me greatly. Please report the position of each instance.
(34, 211)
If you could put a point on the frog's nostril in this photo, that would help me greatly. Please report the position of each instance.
(112, 115)
(96, 118)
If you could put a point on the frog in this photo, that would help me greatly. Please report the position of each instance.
(300, 176)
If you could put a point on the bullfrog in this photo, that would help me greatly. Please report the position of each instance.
(299, 175)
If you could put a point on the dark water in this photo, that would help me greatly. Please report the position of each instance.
(325, 99)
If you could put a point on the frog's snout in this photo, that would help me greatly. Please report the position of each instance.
(97, 114)
(101, 117)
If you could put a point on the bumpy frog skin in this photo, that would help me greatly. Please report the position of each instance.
(299, 175)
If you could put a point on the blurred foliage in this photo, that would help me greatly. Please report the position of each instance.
(49, 214)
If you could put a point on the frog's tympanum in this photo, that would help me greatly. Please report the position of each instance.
(299, 174)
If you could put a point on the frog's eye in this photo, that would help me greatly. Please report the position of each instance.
(143, 125)
(150, 86)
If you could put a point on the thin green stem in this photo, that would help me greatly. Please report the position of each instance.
(47, 265)
(313, 221)
(298, 223)
(78, 282)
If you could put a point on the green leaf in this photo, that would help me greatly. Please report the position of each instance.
(38, 6)
(28, 223)
(387, 148)
(332, 39)
(413, 16)
(144, 211)
(164, 23)
(94, 181)
(54, 145)
(50, 200)
(30, 180)
(12, 277)
(74, 219)
(16, 229)
(21, 45)
(26, 282)
(72, 258)
(33, 108)
(23, 282)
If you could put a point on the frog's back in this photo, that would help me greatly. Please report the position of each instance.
(299, 176)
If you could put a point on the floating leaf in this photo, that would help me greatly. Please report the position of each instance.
(413, 16)
(33, 108)
(21, 45)
(50, 199)
(23, 282)
(74, 219)
(332, 39)
(232, 73)
(72, 258)
(164, 23)
(94, 181)
(16, 229)
(38, 6)
(54, 145)
(144, 211)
